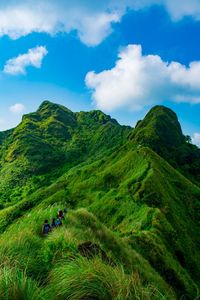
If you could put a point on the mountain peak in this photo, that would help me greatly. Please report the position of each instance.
(59, 112)
(161, 110)
(160, 129)
(50, 106)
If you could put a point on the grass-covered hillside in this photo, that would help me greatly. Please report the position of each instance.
(49, 142)
(161, 131)
(132, 230)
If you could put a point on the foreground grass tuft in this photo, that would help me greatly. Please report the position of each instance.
(15, 285)
(93, 279)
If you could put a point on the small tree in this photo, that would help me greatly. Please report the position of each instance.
(188, 139)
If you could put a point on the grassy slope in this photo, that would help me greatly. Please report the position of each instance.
(139, 196)
(23, 248)
(49, 142)
(148, 228)
(160, 130)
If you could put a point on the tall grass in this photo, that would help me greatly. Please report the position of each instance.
(117, 249)
(92, 279)
(15, 285)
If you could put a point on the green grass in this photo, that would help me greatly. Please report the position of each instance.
(142, 207)
(140, 212)
(23, 247)
(161, 131)
(93, 279)
(48, 143)
(14, 284)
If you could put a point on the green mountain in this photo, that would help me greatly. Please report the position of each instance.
(161, 131)
(49, 142)
(132, 230)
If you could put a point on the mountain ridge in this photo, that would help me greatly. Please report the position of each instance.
(139, 208)
(161, 131)
(52, 136)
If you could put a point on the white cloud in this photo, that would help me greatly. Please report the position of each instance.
(138, 80)
(93, 29)
(17, 108)
(92, 20)
(18, 65)
(91, 24)
(196, 139)
(179, 8)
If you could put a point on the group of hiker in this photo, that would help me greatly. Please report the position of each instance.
(55, 222)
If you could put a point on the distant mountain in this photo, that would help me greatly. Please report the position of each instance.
(161, 131)
(133, 226)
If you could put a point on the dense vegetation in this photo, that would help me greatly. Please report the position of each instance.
(48, 143)
(132, 230)
(161, 131)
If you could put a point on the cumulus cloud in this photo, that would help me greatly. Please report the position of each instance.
(92, 20)
(91, 23)
(93, 30)
(17, 108)
(138, 80)
(196, 139)
(18, 65)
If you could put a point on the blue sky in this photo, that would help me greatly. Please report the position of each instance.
(122, 57)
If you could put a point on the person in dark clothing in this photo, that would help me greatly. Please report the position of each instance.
(60, 214)
(58, 222)
(53, 223)
(46, 227)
